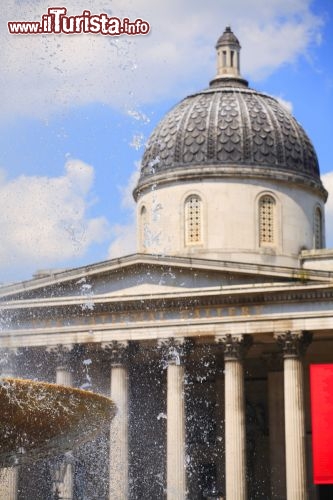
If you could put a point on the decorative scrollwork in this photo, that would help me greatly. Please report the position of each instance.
(174, 351)
(234, 346)
(116, 351)
(293, 344)
(7, 361)
(62, 355)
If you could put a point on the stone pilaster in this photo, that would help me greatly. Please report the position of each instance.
(234, 348)
(8, 475)
(293, 346)
(174, 352)
(117, 353)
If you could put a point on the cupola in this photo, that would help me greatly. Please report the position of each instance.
(230, 174)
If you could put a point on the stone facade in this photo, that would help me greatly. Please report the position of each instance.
(204, 337)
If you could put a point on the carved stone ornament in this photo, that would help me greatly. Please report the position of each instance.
(174, 351)
(293, 344)
(7, 361)
(62, 354)
(234, 346)
(117, 352)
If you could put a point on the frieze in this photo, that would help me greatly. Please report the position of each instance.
(183, 309)
(132, 317)
(247, 299)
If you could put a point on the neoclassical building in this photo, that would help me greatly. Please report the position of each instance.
(204, 337)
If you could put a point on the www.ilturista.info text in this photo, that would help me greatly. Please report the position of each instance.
(56, 22)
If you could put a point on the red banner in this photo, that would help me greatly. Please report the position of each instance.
(321, 380)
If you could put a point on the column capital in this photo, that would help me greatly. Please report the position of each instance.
(63, 354)
(293, 343)
(117, 352)
(174, 350)
(234, 346)
(8, 361)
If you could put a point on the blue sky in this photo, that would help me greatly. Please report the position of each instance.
(76, 112)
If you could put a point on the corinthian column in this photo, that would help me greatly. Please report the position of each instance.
(235, 347)
(8, 483)
(8, 475)
(293, 346)
(63, 474)
(174, 353)
(118, 355)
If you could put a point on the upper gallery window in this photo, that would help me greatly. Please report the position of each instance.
(318, 228)
(143, 226)
(267, 223)
(193, 220)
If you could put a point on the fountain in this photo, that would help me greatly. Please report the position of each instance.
(40, 420)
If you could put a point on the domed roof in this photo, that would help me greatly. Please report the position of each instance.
(229, 130)
(228, 38)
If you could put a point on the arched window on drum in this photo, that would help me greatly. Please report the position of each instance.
(267, 221)
(318, 228)
(143, 227)
(193, 220)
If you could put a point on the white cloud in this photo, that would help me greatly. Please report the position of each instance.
(288, 105)
(48, 73)
(44, 220)
(127, 191)
(328, 183)
(125, 241)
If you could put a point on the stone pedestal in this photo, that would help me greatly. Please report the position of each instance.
(235, 347)
(293, 346)
(118, 354)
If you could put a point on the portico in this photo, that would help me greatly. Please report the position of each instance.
(184, 348)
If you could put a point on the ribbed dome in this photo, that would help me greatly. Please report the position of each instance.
(229, 130)
(228, 38)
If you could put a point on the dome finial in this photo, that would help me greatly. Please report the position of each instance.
(228, 55)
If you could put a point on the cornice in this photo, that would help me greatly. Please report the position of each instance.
(252, 295)
(177, 262)
(198, 173)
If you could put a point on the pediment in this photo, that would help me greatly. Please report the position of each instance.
(146, 275)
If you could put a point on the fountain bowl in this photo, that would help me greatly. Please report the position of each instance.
(38, 419)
